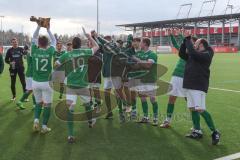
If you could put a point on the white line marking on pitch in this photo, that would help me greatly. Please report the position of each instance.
(226, 90)
(230, 157)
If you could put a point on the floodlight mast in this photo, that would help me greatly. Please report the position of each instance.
(205, 2)
(230, 23)
(184, 5)
(98, 23)
(227, 7)
(1, 16)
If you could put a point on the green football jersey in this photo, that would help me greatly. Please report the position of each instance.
(139, 73)
(57, 55)
(151, 76)
(76, 67)
(42, 63)
(180, 68)
(29, 72)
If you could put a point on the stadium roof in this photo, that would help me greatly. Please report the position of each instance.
(184, 21)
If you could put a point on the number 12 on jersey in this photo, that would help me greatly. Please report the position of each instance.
(42, 64)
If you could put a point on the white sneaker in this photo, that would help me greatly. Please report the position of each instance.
(155, 122)
(128, 109)
(36, 126)
(45, 130)
(165, 124)
(71, 139)
(92, 122)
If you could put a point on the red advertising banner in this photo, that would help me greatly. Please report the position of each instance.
(216, 49)
(1, 49)
(225, 49)
(199, 31)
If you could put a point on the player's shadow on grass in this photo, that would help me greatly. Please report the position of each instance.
(32, 148)
(200, 151)
(7, 105)
(128, 141)
(14, 128)
(16, 124)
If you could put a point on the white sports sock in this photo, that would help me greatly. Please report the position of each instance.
(44, 126)
(168, 119)
(36, 120)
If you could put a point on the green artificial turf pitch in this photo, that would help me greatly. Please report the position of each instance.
(109, 140)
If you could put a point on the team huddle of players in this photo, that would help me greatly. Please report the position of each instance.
(129, 71)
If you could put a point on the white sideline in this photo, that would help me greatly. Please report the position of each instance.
(226, 90)
(230, 157)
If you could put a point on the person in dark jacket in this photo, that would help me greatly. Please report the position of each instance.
(14, 57)
(196, 82)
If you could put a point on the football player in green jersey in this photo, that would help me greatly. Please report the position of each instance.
(59, 51)
(176, 82)
(76, 67)
(128, 51)
(147, 84)
(112, 71)
(28, 78)
(132, 77)
(69, 46)
(42, 56)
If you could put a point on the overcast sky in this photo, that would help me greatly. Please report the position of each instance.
(68, 16)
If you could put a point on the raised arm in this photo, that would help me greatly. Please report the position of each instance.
(52, 38)
(174, 42)
(35, 35)
(181, 37)
(182, 52)
(199, 56)
(95, 47)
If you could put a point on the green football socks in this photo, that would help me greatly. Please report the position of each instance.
(155, 109)
(70, 122)
(25, 96)
(46, 114)
(37, 111)
(196, 120)
(170, 109)
(145, 108)
(207, 117)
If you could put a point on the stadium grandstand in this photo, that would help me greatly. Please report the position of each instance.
(222, 31)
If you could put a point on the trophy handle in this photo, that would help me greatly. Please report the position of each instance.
(33, 19)
(43, 22)
(84, 31)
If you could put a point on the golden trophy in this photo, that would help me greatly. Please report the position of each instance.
(43, 22)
